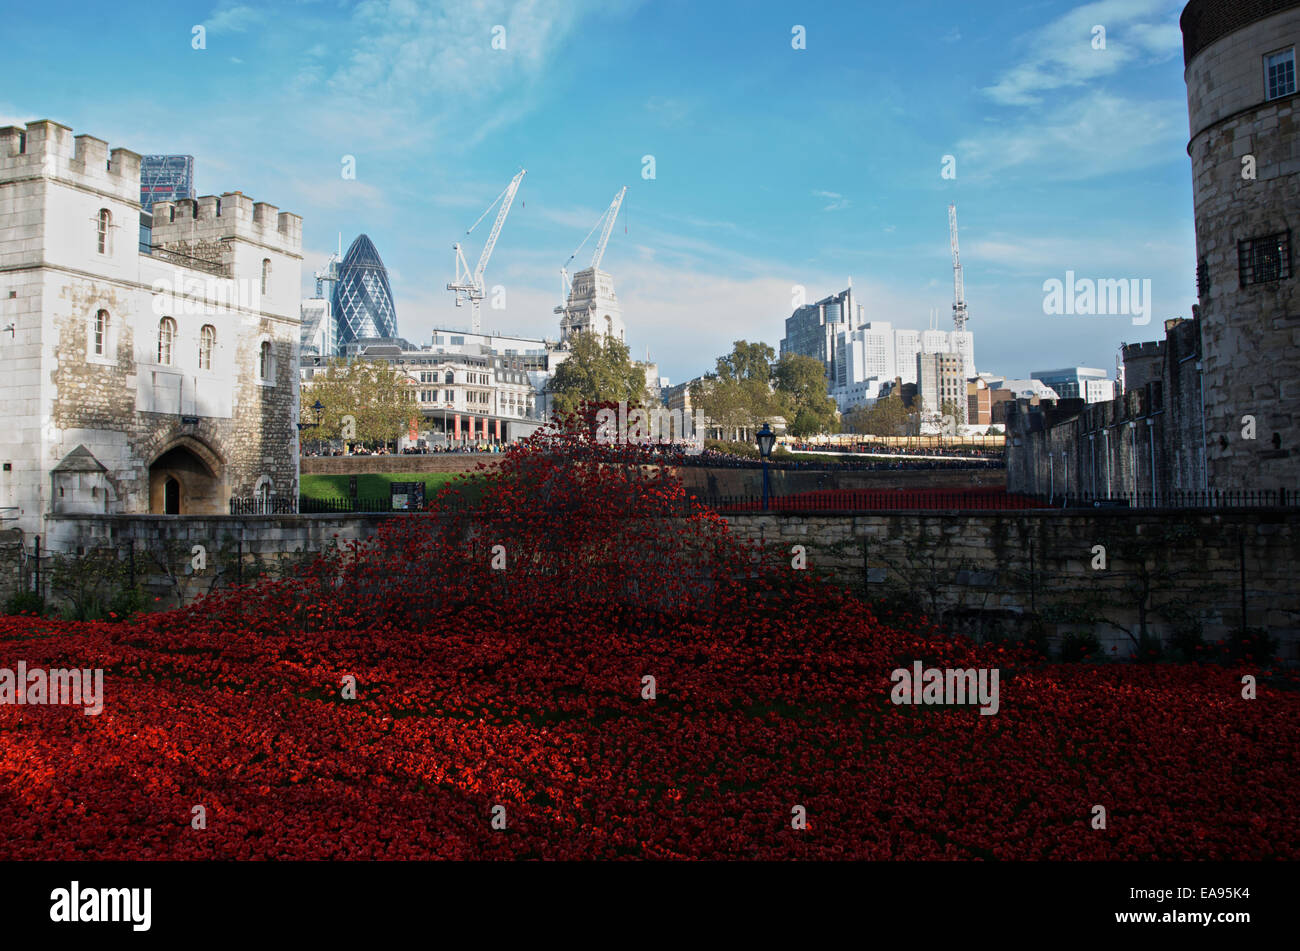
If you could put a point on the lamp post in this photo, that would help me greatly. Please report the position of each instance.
(765, 440)
(317, 409)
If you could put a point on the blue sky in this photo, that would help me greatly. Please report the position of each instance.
(774, 166)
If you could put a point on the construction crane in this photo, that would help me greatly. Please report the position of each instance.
(469, 285)
(958, 284)
(607, 219)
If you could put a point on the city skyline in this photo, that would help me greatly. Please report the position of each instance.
(807, 166)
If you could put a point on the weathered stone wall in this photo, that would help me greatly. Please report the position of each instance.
(994, 572)
(984, 574)
(1251, 333)
(1147, 441)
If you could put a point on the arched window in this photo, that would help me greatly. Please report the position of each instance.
(166, 340)
(103, 225)
(266, 274)
(99, 334)
(265, 362)
(449, 378)
(207, 341)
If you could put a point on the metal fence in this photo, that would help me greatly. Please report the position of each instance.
(1182, 499)
(305, 505)
(846, 500)
(868, 500)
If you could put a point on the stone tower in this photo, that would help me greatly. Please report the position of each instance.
(1245, 152)
(148, 366)
(592, 306)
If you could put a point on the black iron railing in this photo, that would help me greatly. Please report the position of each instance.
(844, 500)
(1182, 499)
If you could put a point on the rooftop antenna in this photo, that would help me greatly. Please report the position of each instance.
(958, 282)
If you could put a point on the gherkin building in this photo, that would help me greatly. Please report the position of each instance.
(363, 300)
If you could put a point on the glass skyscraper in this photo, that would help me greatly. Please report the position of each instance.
(362, 299)
(165, 178)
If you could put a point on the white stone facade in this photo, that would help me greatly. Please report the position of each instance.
(592, 306)
(145, 368)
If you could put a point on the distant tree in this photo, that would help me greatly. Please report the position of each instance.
(598, 370)
(739, 394)
(378, 397)
(886, 417)
(801, 382)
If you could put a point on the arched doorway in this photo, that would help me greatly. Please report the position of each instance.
(171, 496)
(186, 480)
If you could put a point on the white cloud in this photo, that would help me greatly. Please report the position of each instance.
(1096, 134)
(837, 201)
(233, 19)
(670, 111)
(1062, 53)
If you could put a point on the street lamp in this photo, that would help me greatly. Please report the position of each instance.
(317, 409)
(765, 440)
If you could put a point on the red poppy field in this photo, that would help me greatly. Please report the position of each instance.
(499, 660)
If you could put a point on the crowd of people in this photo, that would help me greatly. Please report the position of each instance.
(481, 447)
(983, 452)
(722, 460)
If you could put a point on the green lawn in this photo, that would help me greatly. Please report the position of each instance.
(375, 485)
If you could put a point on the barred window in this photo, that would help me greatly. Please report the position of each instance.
(1264, 259)
(1202, 277)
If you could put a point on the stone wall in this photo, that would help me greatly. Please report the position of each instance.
(1245, 157)
(983, 574)
(994, 572)
(1149, 441)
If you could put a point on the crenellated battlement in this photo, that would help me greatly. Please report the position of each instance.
(49, 149)
(229, 216)
(1148, 348)
(45, 148)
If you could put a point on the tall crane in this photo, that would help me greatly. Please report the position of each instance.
(607, 219)
(958, 284)
(469, 285)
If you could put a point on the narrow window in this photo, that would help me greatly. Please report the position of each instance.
(207, 341)
(166, 340)
(105, 222)
(101, 332)
(266, 274)
(265, 364)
